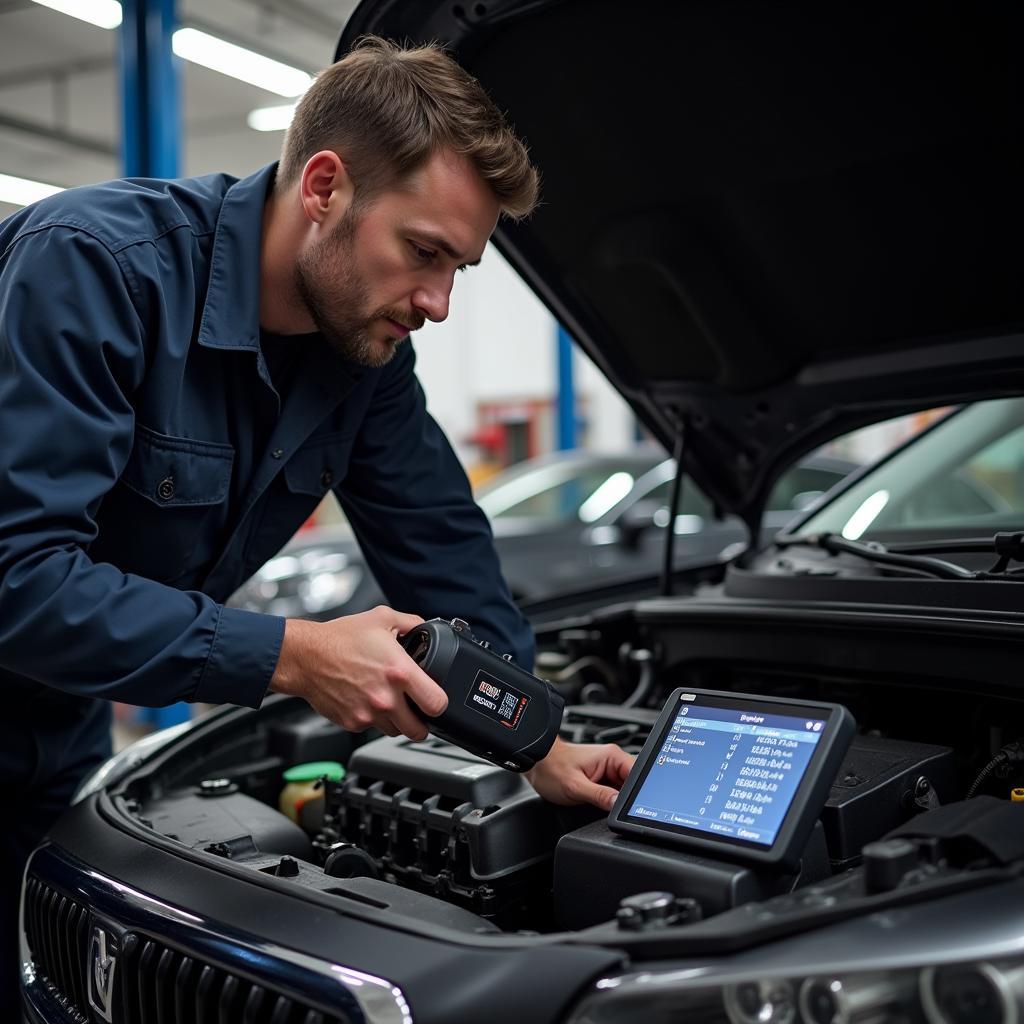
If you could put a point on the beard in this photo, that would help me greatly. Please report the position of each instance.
(336, 296)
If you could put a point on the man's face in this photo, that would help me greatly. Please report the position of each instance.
(382, 270)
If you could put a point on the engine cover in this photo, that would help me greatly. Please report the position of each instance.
(444, 821)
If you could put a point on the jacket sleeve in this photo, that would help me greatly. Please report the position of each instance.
(410, 505)
(72, 351)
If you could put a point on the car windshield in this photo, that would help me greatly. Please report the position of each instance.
(561, 492)
(963, 478)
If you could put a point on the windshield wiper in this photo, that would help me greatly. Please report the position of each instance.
(1008, 546)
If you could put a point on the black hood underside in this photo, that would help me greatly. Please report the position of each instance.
(767, 222)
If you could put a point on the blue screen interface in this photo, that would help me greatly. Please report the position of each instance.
(731, 772)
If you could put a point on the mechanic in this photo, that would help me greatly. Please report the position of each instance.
(186, 368)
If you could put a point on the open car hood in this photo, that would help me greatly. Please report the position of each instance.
(767, 223)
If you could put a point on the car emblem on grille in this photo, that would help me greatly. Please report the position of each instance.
(101, 974)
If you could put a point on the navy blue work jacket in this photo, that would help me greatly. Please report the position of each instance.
(148, 466)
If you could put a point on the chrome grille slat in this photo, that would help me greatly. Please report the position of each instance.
(184, 991)
(147, 982)
(252, 1005)
(282, 1012)
(63, 965)
(206, 996)
(166, 972)
(80, 943)
(228, 1000)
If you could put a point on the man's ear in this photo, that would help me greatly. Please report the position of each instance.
(325, 186)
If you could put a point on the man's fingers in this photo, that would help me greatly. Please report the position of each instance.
(589, 792)
(402, 622)
(424, 692)
(406, 722)
(620, 764)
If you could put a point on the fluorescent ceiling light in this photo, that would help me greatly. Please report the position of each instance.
(104, 13)
(865, 515)
(209, 51)
(238, 62)
(612, 491)
(22, 191)
(271, 119)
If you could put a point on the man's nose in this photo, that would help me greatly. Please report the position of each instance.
(432, 301)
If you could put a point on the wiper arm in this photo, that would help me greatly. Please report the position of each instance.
(1008, 546)
(881, 555)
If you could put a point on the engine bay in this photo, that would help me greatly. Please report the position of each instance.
(431, 833)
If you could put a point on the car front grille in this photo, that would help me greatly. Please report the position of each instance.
(57, 929)
(153, 983)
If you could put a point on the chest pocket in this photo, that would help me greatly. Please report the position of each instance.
(176, 471)
(167, 516)
(318, 465)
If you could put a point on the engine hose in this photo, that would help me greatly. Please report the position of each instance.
(999, 759)
(587, 661)
(1010, 753)
(644, 683)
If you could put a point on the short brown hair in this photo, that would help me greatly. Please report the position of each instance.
(386, 109)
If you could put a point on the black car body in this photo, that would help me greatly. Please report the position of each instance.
(561, 522)
(769, 224)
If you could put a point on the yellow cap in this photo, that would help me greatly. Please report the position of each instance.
(1017, 795)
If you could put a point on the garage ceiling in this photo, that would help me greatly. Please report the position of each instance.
(60, 98)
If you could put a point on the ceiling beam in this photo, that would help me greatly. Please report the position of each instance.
(84, 142)
(299, 13)
(46, 72)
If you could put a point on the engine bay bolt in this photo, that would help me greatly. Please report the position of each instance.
(217, 787)
(886, 862)
(656, 910)
(288, 868)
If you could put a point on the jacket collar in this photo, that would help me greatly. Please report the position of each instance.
(231, 313)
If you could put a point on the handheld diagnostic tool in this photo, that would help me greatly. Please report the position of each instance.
(736, 775)
(496, 710)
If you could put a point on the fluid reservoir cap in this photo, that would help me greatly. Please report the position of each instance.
(313, 770)
(1017, 795)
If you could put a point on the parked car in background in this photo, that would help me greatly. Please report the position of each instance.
(563, 521)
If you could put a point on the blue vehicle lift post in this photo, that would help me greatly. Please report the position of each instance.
(566, 400)
(150, 137)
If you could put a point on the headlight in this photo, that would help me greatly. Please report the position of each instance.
(124, 761)
(297, 585)
(979, 992)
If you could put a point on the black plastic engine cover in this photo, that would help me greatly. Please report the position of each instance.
(232, 825)
(440, 819)
(875, 791)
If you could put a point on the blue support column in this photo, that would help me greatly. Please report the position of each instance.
(566, 402)
(150, 127)
(150, 133)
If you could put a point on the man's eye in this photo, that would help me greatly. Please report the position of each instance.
(421, 253)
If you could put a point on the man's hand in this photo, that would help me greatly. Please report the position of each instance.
(352, 671)
(581, 773)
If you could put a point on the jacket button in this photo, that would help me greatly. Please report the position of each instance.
(277, 453)
(326, 478)
(165, 489)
